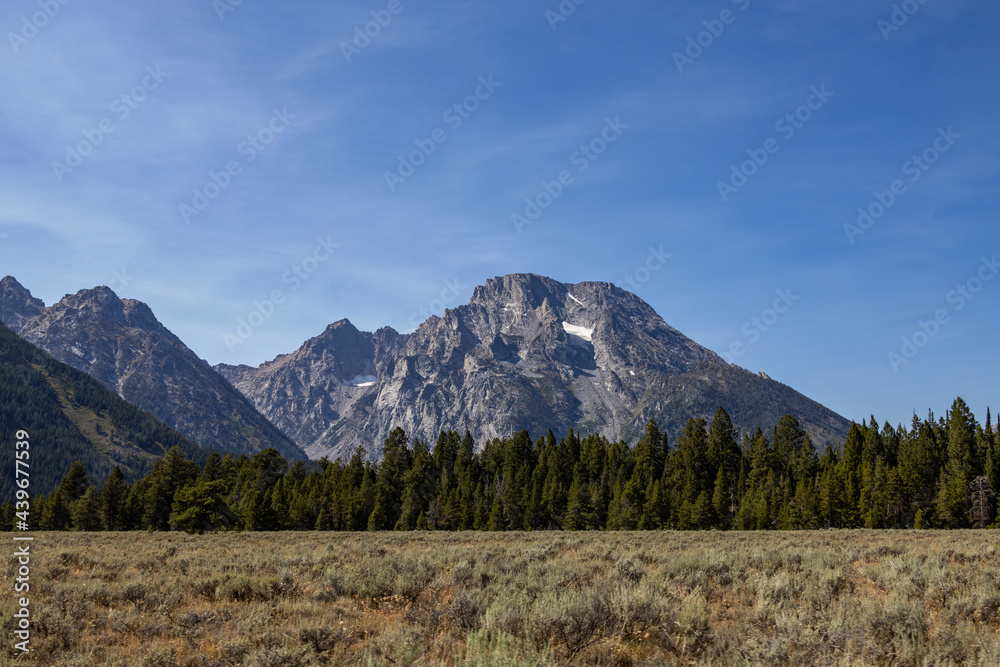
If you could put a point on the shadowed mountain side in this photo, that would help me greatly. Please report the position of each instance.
(69, 416)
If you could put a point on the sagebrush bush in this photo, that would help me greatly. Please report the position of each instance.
(615, 599)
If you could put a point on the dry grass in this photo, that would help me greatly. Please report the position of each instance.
(832, 598)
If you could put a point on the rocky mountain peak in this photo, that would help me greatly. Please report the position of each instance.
(99, 304)
(138, 314)
(526, 352)
(121, 344)
(16, 303)
(518, 290)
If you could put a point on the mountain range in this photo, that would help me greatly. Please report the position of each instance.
(121, 344)
(526, 352)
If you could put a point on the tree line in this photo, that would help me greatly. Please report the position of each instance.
(935, 474)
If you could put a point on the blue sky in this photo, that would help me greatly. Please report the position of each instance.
(208, 86)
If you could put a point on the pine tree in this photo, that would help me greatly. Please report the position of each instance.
(962, 450)
(755, 507)
(875, 496)
(170, 474)
(202, 507)
(918, 469)
(466, 480)
(517, 460)
(804, 509)
(75, 483)
(8, 513)
(446, 454)
(593, 453)
(388, 488)
(54, 513)
(362, 501)
(991, 463)
(873, 449)
(627, 505)
(805, 462)
(758, 510)
(725, 463)
(156, 505)
(786, 446)
(723, 500)
(649, 454)
(113, 498)
(952, 506)
(86, 510)
(759, 459)
(600, 498)
(496, 518)
(323, 521)
(579, 510)
(481, 517)
(851, 474)
(133, 513)
(702, 516)
(279, 504)
(212, 470)
(535, 516)
(418, 487)
(655, 513)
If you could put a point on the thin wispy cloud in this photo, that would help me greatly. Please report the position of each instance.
(351, 118)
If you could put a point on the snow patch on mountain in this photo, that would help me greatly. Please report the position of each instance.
(575, 299)
(363, 381)
(582, 332)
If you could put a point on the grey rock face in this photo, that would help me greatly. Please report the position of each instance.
(121, 344)
(527, 352)
(16, 304)
(321, 393)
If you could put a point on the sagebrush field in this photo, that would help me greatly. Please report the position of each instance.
(425, 598)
